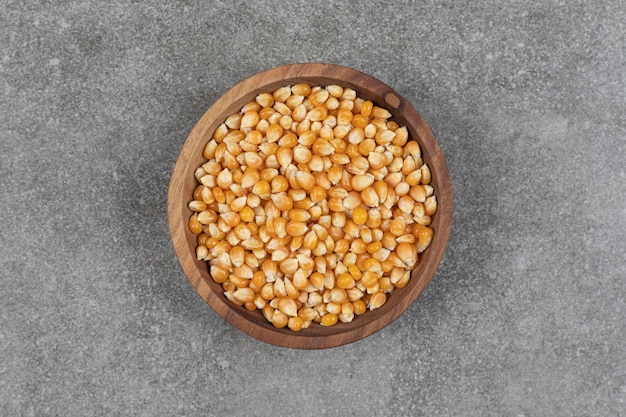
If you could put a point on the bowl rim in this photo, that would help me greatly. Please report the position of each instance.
(315, 337)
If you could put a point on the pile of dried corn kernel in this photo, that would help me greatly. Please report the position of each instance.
(312, 206)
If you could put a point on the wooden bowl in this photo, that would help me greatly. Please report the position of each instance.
(183, 183)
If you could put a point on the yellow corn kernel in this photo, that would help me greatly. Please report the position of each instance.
(370, 197)
(318, 194)
(310, 240)
(258, 279)
(359, 216)
(280, 224)
(246, 214)
(322, 147)
(366, 108)
(329, 319)
(295, 324)
(195, 226)
(284, 156)
(372, 265)
(335, 174)
(262, 189)
(301, 89)
(229, 286)
(358, 246)
(268, 312)
(359, 307)
(397, 226)
(237, 255)
(374, 247)
(279, 319)
(358, 120)
(265, 99)
(288, 266)
(345, 281)
(403, 280)
(267, 291)
(296, 228)
(412, 148)
(369, 279)
(334, 205)
(424, 238)
(407, 253)
(318, 97)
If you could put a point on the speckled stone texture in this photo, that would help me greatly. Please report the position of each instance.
(526, 315)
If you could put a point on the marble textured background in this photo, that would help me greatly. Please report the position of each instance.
(526, 314)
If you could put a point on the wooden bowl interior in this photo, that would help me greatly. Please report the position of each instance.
(183, 183)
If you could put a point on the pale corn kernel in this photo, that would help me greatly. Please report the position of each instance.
(352, 201)
(430, 205)
(305, 179)
(297, 195)
(300, 279)
(294, 100)
(282, 201)
(301, 154)
(292, 292)
(319, 97)
(340, 131)
(284, 156)
(202, 252)
(230, 295)
(267, 291)
(281, 94)
(279, 319)
(244, 294)
(265, 99)
(288, 266)
(377, 300)
(423, 220)
(315, 299)
(279, 288)
(250, 106)
(260, 302)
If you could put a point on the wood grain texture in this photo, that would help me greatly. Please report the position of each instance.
(183, 183)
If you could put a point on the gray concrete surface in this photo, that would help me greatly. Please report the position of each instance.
(526, 315)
